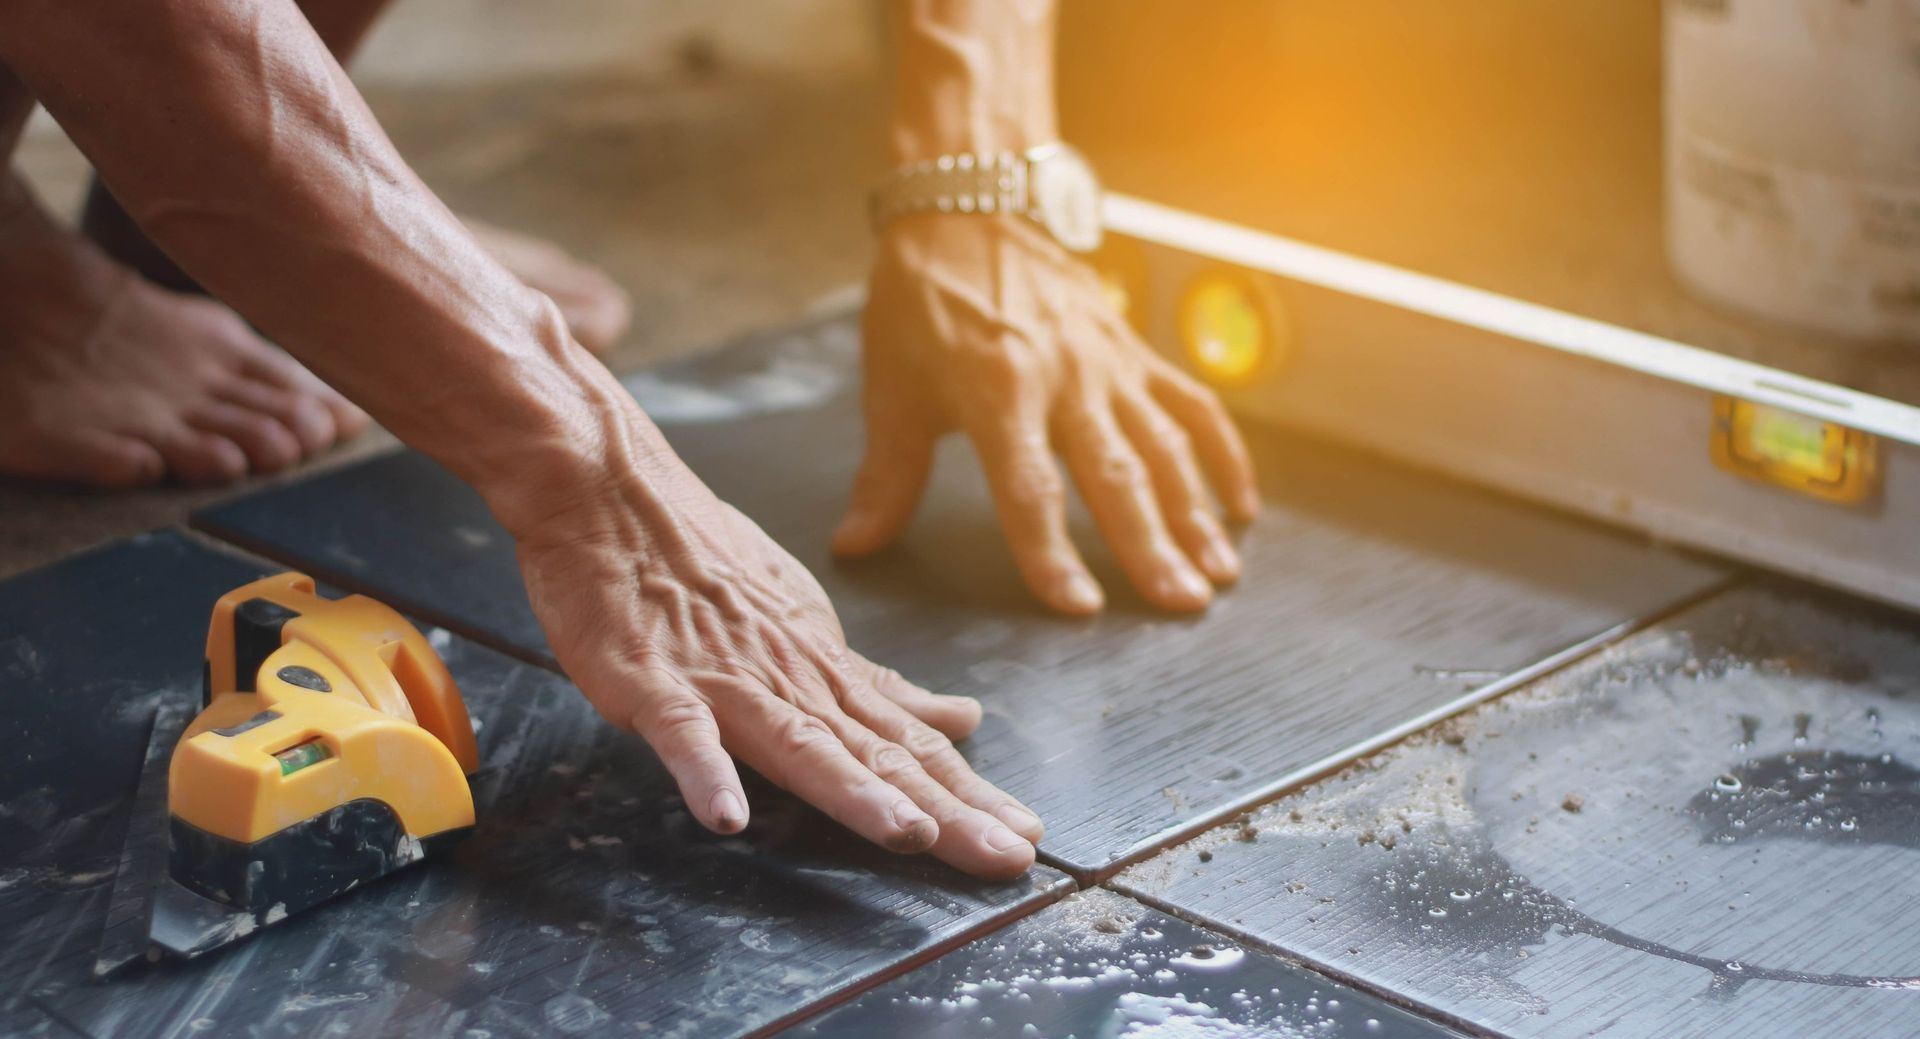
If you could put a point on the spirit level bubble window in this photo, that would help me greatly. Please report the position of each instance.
(1227, 327)
(1787, 449)
(301, 755)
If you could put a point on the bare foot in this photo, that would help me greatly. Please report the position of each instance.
(111, 381)
(597, 310)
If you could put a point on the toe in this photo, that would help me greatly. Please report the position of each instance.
(261, 361)
(92, 457)
(272, 366)
(348, 419)
(599, 318)
(268, 445)
(121, 462)
(598, 311)
(265, 445)
(256, 360)
(197, 457)
(305, 415)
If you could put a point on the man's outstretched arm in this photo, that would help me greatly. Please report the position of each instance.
(984, 324)
(229, 133)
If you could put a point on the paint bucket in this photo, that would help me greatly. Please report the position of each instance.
(1793, 160)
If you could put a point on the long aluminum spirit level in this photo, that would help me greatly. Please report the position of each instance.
(1691, 446)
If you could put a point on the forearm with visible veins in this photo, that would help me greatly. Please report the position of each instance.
(972, 76)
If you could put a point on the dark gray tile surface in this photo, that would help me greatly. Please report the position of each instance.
(26, 1021)
(1712, 829)
(1102, 965)
(587, 895)
(1373, 596)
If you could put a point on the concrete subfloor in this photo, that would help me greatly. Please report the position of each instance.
(722, 200)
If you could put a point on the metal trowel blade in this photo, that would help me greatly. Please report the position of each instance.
(186, 924)
(143, 856)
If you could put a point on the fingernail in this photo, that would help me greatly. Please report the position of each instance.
(1186, 586)
(728, 811)
(1003, 840)
(1220, 560)
(1250, 504)
(1081, 593)
(1017, 817)
(917, 829)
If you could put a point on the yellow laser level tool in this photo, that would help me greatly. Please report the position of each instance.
(332, 748)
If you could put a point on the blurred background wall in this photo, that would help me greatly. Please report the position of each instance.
(1512, 144)
(439, 41)
(455, 43)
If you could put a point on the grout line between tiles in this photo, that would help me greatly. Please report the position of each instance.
(1328, 971)
(862, 986)
(60, 1020)
(1332, 763)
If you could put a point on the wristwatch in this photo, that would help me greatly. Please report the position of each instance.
(1052, 185)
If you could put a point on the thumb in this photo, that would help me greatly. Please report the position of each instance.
(891, 478)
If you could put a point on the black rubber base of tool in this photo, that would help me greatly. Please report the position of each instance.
(304, 864)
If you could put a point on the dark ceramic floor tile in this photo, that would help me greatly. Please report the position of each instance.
(25, 1020)
(586, 896)
(1373, 597)
(1711, 829)
(1100, 964)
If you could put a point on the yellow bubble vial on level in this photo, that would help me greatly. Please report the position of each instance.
(1225, 328)
(301, 755)
(1823, 460)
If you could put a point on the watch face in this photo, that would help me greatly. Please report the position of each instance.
(1067, 196)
